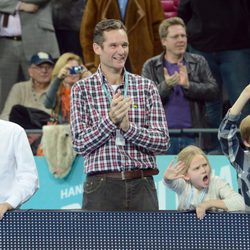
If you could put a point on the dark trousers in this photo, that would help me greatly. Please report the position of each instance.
(107, 194)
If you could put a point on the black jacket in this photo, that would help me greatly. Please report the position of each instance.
(202, 88)
(216, 25)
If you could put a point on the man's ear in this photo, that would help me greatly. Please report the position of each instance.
(96, 48)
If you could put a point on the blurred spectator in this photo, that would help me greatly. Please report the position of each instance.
(56, 143)
(24, 104)
(184, 82)
(170, 7)
(63, 77)
(67, 16)
(220, 31)
(18, 173)
(31, 93)
(25, 28)
(141, 18)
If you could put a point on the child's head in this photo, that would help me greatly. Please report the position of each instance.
(245, 131)
(197, 168)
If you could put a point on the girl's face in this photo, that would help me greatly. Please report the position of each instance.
(199, 172)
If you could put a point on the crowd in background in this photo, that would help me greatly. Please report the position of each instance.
(183, 57)
(66, 26)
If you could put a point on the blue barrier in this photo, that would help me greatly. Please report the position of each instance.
(72, 230)
(67, 193)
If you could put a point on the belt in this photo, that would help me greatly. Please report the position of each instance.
(127, 175)
(16, 38)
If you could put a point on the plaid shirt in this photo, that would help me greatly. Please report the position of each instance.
(94, 134)
(239, 158)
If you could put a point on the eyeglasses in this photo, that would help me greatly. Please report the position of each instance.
(177, 37)
(42, 67)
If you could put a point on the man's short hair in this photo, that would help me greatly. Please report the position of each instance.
(165, 24)
(245, 129)
(106, 25)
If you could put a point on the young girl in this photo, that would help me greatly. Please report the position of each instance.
(197, 189)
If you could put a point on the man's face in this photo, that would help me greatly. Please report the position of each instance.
(41, 73)
(176, 40)
(114, 50)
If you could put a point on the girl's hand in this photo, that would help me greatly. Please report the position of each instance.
(201, 210)
(174, 171)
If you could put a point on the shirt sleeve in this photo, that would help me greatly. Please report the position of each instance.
(26, 179)
(230, 145)
(233, 200)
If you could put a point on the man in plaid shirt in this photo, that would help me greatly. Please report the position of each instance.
(118, 125)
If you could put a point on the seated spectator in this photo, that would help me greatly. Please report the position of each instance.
(184, 82)
(18, 173)
(196, 188)
(63, 77)
(31, 93)
(24, 104)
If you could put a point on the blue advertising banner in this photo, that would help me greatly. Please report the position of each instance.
(67, 193)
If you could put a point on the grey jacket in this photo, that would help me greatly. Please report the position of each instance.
(203, 86)
(38, 33)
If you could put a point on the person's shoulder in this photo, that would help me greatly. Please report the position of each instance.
(21, 85)
(194, 57)
(154, 60)
(11, 127)
(139, 78)
(216, 180)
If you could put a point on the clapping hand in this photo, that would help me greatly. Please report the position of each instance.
(172, 80)
(118, 113)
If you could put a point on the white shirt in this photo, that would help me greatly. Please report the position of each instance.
(18, 173)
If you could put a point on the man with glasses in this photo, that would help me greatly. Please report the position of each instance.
(24, 104)
(31, 93)
(184, 82)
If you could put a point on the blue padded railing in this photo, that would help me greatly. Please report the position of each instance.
(64, 229)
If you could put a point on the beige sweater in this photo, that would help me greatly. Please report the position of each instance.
(218, 189)
(23, 94)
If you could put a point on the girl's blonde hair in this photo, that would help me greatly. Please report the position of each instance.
(187, 155)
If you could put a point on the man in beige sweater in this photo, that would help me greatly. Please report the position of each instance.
(31, 93)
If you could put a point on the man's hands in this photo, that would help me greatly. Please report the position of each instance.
(28, 7)
(118, 113)
(180, 78)
(4, 207)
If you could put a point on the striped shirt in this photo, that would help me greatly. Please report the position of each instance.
(239, 158)
(94, 135)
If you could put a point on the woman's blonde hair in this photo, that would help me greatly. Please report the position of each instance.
(60, 63)
(63, 60)
(187, 155)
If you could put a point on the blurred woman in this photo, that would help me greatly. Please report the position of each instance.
(68, 69)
